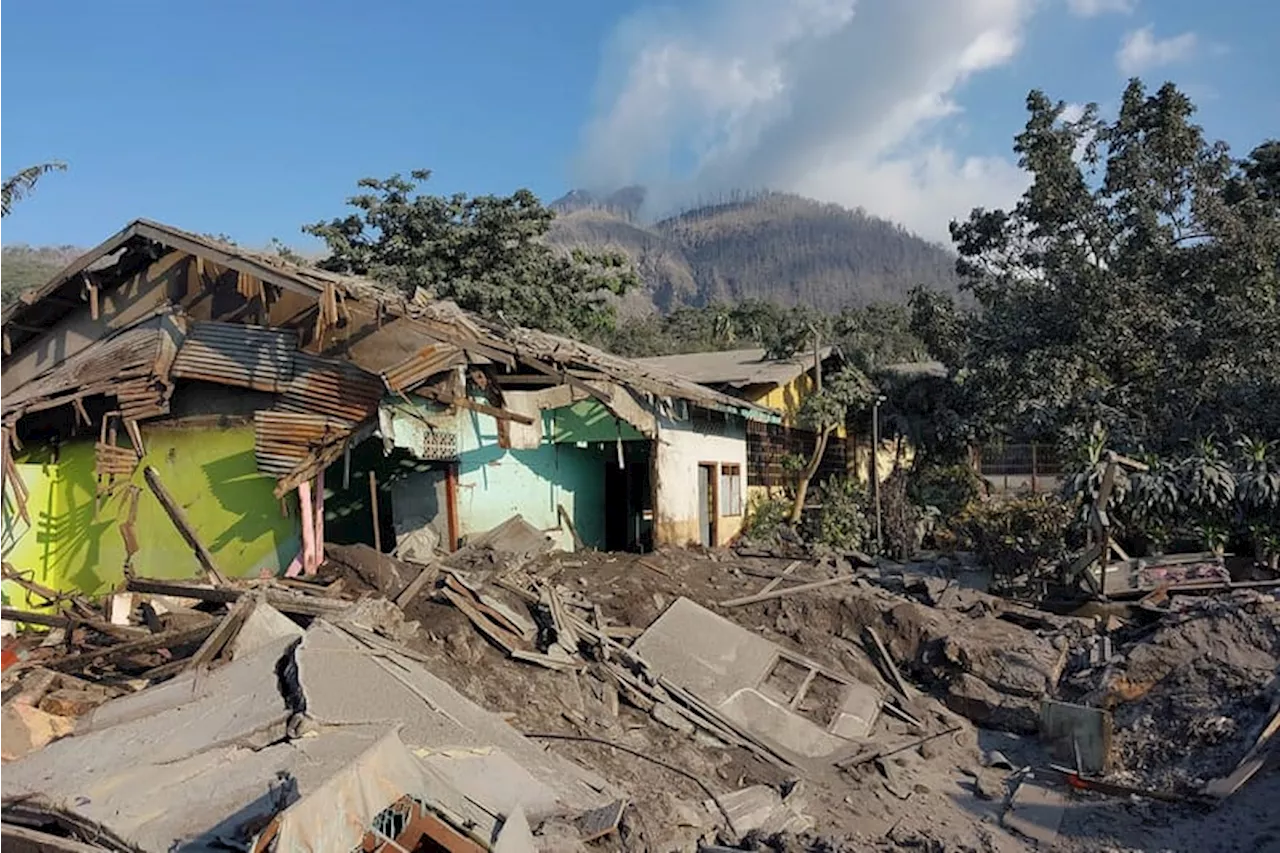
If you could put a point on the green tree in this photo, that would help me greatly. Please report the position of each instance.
(824, 412)
(20, 184)
(1134, 284)
(486, 253)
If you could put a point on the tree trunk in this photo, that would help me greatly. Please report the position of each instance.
(807, 475)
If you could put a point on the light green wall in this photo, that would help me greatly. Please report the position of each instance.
(211, 473)
(589, 420)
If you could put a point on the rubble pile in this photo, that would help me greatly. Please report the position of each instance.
(1191, 693)
(681, 700)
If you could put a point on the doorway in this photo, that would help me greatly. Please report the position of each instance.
(628, 498)
(708, 501)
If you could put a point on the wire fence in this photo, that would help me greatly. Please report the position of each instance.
(1032, 467)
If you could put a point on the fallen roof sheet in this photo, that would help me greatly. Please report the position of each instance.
(732, 669)
(206, 758)
(102, 367)
(738, 368)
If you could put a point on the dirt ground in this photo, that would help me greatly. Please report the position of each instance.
(937, 796)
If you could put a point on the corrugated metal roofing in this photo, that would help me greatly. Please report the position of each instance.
(422, 365)
(244, 356)
(282, 440)
(326, 387)
(439, 321)
(738, 368)
(127, 355)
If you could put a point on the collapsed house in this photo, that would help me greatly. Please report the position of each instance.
(232, 405)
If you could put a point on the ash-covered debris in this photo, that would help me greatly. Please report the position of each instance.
(1190, 697)
(862, 709)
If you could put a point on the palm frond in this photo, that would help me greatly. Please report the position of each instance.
(20, 184)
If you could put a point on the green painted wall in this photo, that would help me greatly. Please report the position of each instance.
(209, 470)
(589, 420)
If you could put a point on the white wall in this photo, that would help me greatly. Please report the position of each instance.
(680, 448)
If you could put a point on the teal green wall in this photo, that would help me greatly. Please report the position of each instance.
(495, 484)
(588, 420)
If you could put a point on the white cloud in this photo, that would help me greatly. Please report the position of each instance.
(844, 100)
(1142, 51)
(1094, 8)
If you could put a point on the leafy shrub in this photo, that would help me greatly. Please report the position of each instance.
(1015, 537)
(766, 518)
(844, 520)
(950, 488)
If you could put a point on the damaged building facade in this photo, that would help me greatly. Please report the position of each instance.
(169, 395)
(780, 384)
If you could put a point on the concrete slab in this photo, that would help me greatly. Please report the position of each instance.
(1077, 730)
(1036, 812)
(347, 682)
(733, 669)
(265, 626)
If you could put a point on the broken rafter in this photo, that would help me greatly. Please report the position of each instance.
(225, 633)
(482, 408)
(167, 640)
(179, 519)
(567, 378)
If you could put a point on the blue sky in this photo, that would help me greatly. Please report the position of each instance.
(252, 118)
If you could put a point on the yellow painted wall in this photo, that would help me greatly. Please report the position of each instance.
(787, 398)
(74, 545)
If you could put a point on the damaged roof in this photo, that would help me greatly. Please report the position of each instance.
(738, 368)
(34, 310)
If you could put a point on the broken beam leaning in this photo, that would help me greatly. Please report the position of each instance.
(285, 602)
(179, 519)
(781, 593)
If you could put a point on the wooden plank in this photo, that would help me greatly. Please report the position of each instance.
(33, 841)
(179, 519)
(284, 601)
(23, 617)
(782, 593)
(226, 631)
(150, 644)
(566, 378)
(373, 508)
(773, 584)
(483, 625)
(1252, 762)
(892, 668)
(428, 574)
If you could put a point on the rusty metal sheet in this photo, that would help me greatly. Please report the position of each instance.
(282, 440)
(422, 365)
(131, 354)
(142, 398)
(333, 388)
(233, 354)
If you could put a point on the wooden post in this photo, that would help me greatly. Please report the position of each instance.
(1033, 467)
(451, 504)
(317, 507)
(308, 521)
(875, 472)
(373, 508)
(179, 519)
